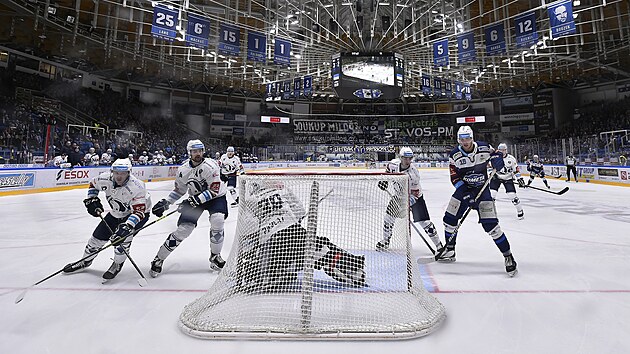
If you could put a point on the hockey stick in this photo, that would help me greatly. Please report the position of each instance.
(20, 297)
(560, 192)
(412, 224)
(422, 237)
(426, 260)
(143, 281)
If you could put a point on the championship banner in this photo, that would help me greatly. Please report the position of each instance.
(164, 24)
(426, 85)
(561, 19)
(525, 29)
(466, 48)
(440, 53)
(495, 39)
(256, 45)
(437, 86)
(197, 32)
(229, 40)
(282, 52)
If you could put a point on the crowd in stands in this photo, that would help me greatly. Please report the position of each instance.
(147, 134)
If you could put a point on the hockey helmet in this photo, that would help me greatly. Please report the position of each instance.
(464, 132)
(406, 152)
(121, 165)
(502, 146)
(535, 157)
(194, 145)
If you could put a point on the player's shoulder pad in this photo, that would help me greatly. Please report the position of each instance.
(455, 153)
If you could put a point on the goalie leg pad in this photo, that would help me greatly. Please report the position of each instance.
(345, 268)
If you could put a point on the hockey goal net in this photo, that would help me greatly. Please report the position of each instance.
(304, 263)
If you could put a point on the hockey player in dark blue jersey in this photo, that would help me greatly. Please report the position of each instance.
(469, 173)
(536, 169)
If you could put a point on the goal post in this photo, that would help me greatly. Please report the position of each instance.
(304, 263)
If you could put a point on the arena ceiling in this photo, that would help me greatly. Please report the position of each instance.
(113, 38)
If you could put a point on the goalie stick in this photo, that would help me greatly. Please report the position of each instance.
(560, 192)
(142, 281)
(20, 297)
(427, 260)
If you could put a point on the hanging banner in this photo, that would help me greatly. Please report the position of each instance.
(282, 52)
(308, 85)
(164, 24)
(561, 19)
(286, 91)
(297, 87)
(437, 86)
(197, 32)
(448, 89)
(440, 53)
(229, 40)
(426, 85)
(525, 29)
(458, 90)
(466, 48)
(467, 92)
(495, 39)
(256, 45)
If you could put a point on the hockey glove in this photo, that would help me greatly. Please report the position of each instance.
(223, 177)
(412, 200)
(122, 232)
(94, 206)
(383, 185)
(160, 207)
(521, 182)
(469, 198)
(197, 200)
(496, 160)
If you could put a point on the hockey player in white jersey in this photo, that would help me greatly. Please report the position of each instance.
(143, 159)
(505, 177)
(230, 168)
(130, 202)
(416, 200)
(199, 177)
(106, 157)
(274, 245)
(91, 158)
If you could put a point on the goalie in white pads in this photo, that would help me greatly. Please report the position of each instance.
(416, 200)
(273, 249)
(200, 178)
(231, 166)
(129, 200)
(505, 177)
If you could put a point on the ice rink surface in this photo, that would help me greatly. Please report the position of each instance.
(571, 295)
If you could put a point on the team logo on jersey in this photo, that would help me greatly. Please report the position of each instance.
(104, 188)
(474, 179)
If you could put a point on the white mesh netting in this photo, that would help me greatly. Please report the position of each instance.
(304, 264)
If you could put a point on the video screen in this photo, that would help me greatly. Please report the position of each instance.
(368, 76)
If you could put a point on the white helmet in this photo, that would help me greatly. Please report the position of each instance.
(230, 149)
(502, 146)
(109, 151)
(195, 144)
(91, 150)
(464, 132)
(535, 157)
(121, 165)
(405, 152)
